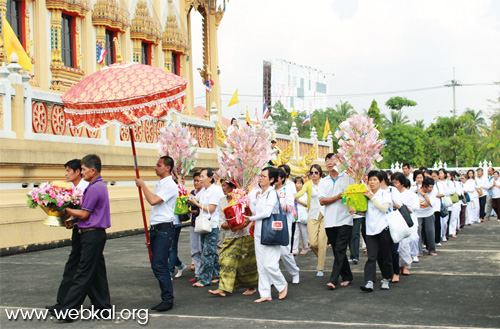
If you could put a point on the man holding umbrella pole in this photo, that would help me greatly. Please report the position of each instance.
(162, 229)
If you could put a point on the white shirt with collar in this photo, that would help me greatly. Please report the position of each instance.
(82, 186)
(429, 210)
(375, 219)
(211, 196)
(163, 212)
(336, 214)
(262, 206)
(483, 184)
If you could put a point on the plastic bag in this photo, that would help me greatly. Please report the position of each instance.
(397, 226)
(181, 206)
(354, 197)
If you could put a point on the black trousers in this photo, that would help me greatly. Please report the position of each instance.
(482, 204)
(70, 267)
(437, 227)
(90, 277)
(379, 251)
(395, 257)
(340, 237)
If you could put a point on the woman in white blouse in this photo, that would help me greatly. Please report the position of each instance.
(263, 203)
(495, 198)
(472, 215)
(378, 238)
(208, 201)
(445, 189)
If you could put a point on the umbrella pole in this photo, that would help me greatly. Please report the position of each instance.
(140, 195)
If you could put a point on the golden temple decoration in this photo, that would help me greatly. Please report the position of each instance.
(174, 38)
(218, 16)
(137, 51)
(220, 134)
(63, 77)
(119, 58)
(309, 157)
(144, 27)
(108, 13)
(77, 7)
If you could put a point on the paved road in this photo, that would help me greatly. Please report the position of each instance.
(459, 288)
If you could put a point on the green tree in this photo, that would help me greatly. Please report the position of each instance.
(406, 144)
(397, 103)
(475, 124)
(282, 118)
(343, 111)
(374, 112)
(397, 118)
(419, 124)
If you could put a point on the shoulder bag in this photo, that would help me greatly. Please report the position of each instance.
(275, 228)
(397, 226)
(406, 215)
(203, 223)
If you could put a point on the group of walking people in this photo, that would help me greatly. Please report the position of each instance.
(441, 203)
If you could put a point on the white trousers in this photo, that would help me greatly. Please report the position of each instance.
(444, 225)
(404, 250)
(268, 266)
(287, 257)
(195, 250)
(300, 230)
(455, 218)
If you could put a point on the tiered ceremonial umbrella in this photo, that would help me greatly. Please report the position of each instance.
(124, 94)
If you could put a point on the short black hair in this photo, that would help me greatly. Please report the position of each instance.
(407, 183)
(282, 173)
(210, 173)
(428, 182)
(406, 164)
(329, 155)
(376, 173)
(479, 169)
(272, 173)
(168, 162)
(296, 179)
(286, 168)
(416, 173)
(196, 174)
(92, 161)
(422, 169)
(444, 171)
(400, 177)
(75, 164)
(273, 142)
(233, 119)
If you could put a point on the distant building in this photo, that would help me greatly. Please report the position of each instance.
(302, 87)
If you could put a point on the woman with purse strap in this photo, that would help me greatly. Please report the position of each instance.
(208, 202)
(263, 203)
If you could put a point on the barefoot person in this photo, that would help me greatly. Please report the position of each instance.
(238, 265)
(338, 220)
(263, 203)
(162, 230)
(74, 176)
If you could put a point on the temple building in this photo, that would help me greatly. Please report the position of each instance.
(67, 40)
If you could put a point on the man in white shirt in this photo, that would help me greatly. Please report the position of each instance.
(162, 230)
(482, 190)
(407, 172)
(74, 176)
(338, 220)
(488, 207)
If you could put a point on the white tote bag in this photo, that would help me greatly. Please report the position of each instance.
(397, 226)
(203, 223)
(447, 201)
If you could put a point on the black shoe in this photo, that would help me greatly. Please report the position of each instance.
(163, 307)
(52, 307)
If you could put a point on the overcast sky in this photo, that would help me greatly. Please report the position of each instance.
(368, 46)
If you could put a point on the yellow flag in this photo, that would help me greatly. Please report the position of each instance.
(327, 129)
(12, 44)
(294, 114)
(234, 99)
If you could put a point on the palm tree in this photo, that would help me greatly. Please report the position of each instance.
(475, 123)
(419, 124)
(344, 110)
(397, 118)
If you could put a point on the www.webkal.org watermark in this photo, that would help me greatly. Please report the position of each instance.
(139, 315)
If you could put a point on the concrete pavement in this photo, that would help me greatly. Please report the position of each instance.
(458, 288)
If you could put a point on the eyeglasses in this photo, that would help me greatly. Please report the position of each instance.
(314, 172)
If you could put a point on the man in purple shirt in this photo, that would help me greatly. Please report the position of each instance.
(93, 220)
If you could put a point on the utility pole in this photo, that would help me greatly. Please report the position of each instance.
(454, 83)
